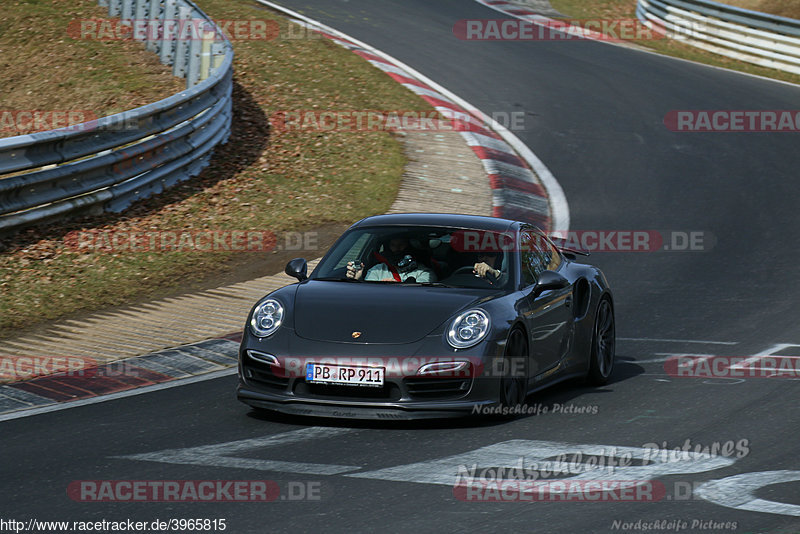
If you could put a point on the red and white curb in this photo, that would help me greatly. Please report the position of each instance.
(515, 10)
(158, 370)
(523, 13)
(522, 186)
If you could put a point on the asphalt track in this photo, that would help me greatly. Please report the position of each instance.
(595, 117)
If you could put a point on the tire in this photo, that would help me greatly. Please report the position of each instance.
(601, 357)
(513, 389)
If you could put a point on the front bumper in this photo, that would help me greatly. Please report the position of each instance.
(365, 410)
(405, 395)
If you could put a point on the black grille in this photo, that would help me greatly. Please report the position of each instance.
(437, 388)
(389, 391)
(265, 377)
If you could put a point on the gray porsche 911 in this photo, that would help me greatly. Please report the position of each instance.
(427, 315)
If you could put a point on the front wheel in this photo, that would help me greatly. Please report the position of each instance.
(601, 358)
(514, 383)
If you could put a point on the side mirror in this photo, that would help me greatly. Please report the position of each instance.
(297, 268)
(549, 280)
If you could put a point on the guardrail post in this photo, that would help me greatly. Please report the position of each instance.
(115, 8)
(127, 11)
(218, 51)
(168, 32)
(181, 46)
(153, 25)
(140, 20)
(209, 34)
(195, 47)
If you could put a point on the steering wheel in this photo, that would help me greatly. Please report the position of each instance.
(469, 269)
(462, 270)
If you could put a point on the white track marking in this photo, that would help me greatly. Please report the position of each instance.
(738, 492)
(722, 381)
(689, 354)
(515, 453)
(668, 355)
(217, 455)
(749, 363)
(660, 340)
(559, 208)
(765, 353)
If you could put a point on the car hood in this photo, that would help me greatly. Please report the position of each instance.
(381, 313)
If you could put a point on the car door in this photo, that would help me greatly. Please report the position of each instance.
(546, 313)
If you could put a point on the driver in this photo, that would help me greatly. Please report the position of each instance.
(397, 265)
(488, 266)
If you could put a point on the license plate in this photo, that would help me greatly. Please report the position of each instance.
(346, 375)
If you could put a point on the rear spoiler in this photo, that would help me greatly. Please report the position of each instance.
(561, 244)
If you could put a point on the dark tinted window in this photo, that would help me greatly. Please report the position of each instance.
(448, 253)
(537, 255)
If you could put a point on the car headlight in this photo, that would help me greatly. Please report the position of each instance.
(267, 318)
(468, 329)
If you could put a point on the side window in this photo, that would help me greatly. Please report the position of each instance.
(529, 269)
(550, 255)
(537, 255)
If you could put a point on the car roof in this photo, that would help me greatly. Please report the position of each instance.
(438, 219)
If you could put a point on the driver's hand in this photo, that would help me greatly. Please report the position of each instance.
(354, 272)
(481, 269)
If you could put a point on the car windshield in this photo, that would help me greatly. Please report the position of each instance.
(448, 257)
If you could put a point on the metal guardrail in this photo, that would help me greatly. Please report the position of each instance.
(107, 164)
(758, 38)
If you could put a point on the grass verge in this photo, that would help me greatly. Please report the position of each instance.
(47, 67)
(626, 9)
(783, 8)
(262, 180)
